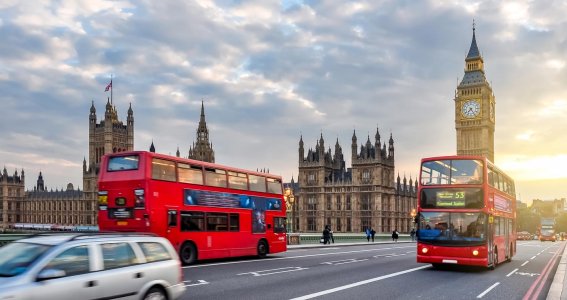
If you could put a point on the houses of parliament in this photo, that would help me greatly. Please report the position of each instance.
(74, 206)
(369, 194)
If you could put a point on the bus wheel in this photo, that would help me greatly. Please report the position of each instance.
(262, 249)
(188, 253)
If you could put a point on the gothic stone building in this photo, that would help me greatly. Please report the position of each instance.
(11, 193)
(353, 199)
(475, 108)
(109, 136)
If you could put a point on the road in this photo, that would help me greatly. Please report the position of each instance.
(372, 271)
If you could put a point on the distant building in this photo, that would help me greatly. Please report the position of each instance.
(353, 199)
(203, 149)
(548, 208)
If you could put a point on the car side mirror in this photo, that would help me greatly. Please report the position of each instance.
(50, 274)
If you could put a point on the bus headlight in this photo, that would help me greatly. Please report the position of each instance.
(424, 250)
(475, 252)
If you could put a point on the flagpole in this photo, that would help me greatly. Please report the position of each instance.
(111, 89)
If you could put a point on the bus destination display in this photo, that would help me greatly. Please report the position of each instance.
(451, 198)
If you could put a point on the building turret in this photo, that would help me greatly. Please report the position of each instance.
(203, 149)
(354, 146)
(152, 148)
(40, 184)
(377, 140)
(391, 148)
(301, 150)
(177, 152)
(130, 129)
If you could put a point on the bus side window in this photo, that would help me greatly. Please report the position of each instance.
(234, 222)
(172, 218)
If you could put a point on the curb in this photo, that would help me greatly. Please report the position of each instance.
(556, 288)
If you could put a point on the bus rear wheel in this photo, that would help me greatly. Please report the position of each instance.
(262, 249)
(188, 253)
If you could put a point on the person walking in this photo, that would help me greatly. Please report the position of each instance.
(395, 235)
(326, 235)
(412, 234)
(332, 238)
(368, 234)
(372, 233)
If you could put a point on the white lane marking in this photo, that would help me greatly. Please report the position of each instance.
(291, 257)
(533, 257)
(528, 274)
(389, 255)
(200, 282)
(527, 261)
(273, 271)
(488, 290)
(512, 272)
(348, 286)
(343, 261)
(335, 248)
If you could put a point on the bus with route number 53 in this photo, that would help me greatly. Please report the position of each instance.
(466, 212)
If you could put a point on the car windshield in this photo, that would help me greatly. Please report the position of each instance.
(16, 257)
(452, 228)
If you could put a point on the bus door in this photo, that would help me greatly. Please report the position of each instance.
(172, 231)
(490, 240)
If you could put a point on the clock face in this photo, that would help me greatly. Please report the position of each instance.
(470, 109)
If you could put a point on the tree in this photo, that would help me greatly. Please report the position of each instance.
(526, 220)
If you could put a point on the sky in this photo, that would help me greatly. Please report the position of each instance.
(269, 72)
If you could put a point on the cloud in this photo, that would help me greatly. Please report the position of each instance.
(271, 71)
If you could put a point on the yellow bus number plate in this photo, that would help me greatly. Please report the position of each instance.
(121, 223)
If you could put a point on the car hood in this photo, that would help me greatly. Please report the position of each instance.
(7, 282)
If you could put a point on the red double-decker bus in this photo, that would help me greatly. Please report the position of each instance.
(466, 212)
(205, 210)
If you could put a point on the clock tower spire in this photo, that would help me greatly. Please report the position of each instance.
(474, 108)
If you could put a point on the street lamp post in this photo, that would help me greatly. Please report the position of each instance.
(413, 213)
(289, 200)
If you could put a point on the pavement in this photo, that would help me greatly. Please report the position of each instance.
(558, 289)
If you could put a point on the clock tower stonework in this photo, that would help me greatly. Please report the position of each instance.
(475, 108)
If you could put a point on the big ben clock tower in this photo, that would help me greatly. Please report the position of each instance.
(475, 108)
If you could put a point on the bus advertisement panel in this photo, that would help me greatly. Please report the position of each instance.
(205, 210)
(466, 212)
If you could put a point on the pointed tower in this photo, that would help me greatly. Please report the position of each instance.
(152, 148)
(354, 147)
(301, 150)
(202, 150)
(475, 108)
(40, 184)
(109, 136)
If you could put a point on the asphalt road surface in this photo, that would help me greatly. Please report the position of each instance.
(372, 271)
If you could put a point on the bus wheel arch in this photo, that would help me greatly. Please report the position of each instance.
(262, 248)
(188, 253)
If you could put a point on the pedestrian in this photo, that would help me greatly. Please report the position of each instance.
(395, 235)
(412, 234)
(326, 235)
(372, 233)
(331, 235)
(368, 234)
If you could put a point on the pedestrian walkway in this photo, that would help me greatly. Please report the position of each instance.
(558, 289)
(307, 246)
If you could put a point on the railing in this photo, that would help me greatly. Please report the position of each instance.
(313, 238)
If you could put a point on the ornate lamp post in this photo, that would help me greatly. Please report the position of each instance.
(289, 200)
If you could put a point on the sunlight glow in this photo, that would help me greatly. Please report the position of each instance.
(535, 167)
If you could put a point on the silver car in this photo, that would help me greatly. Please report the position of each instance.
(90, 266)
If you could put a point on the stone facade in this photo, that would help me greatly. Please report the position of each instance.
(353, 199)
(11, 195)
(475, 108)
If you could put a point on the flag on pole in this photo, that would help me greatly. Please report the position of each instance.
(109, 86)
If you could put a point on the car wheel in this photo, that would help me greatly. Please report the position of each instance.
(262, 249)
(188, 253)
(155, 293)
